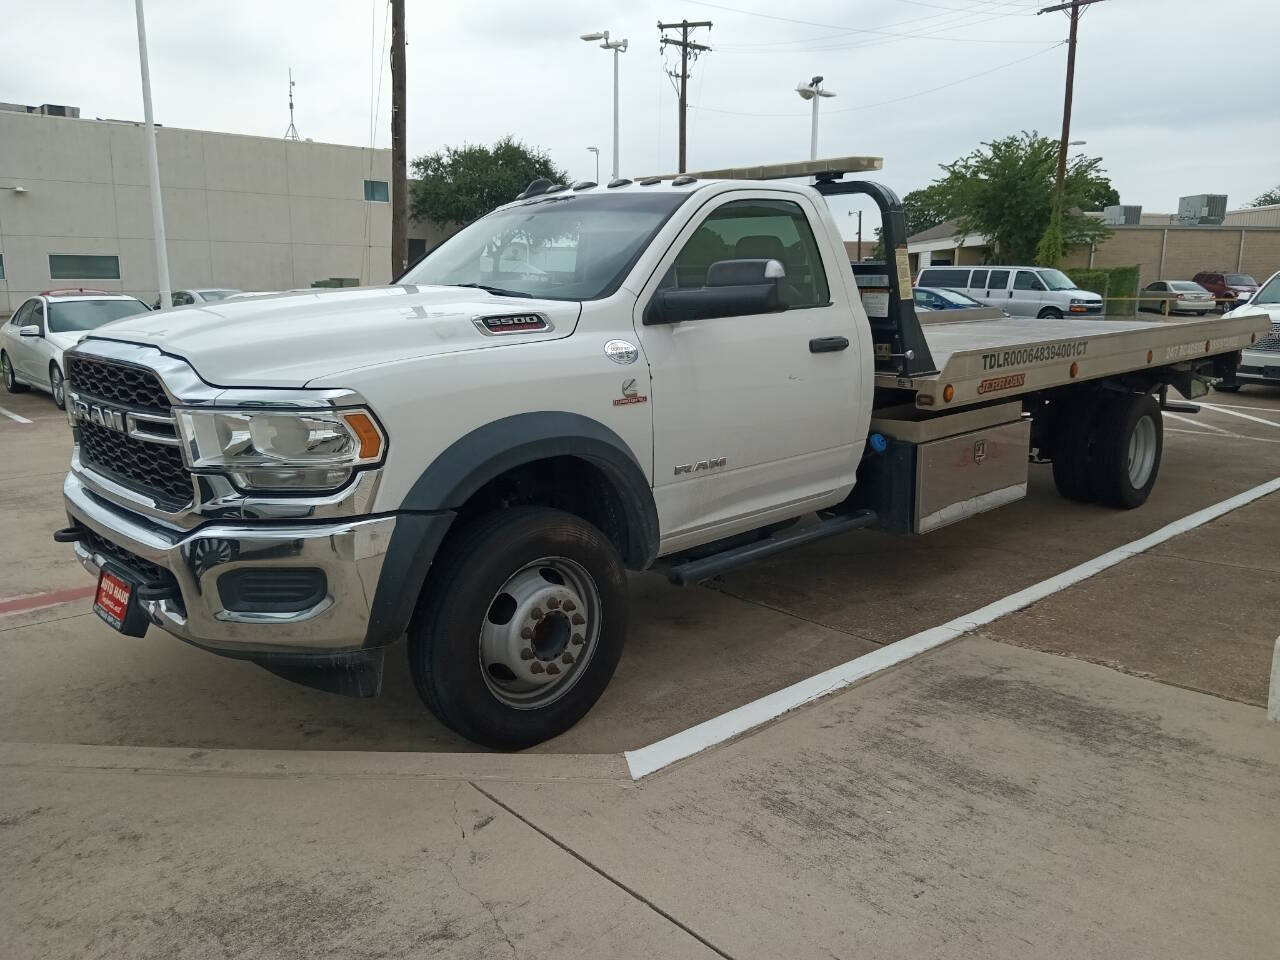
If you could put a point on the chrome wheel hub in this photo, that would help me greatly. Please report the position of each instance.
(1142, 452)
(539, 632)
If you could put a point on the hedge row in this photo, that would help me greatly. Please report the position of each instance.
(1112, 282)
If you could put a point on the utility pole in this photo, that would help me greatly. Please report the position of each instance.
(686, 46)
(1073, 9)
(399, 163)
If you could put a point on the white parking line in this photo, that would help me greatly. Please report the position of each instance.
(1195, 423)
(1241, 406)
(686, 743)
(1226, 435)
(13, 416)
(1242, 416)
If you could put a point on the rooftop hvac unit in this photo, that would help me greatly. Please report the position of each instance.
(1203, 208)
(1122, 214)
(58, 110)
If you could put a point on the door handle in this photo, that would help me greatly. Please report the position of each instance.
(828, 344)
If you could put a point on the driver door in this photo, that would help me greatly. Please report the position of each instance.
(754, 417)
(23, 349)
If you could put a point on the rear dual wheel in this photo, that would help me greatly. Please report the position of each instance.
(521, 626)
(1109, 451)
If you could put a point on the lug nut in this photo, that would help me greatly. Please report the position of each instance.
(552, 669)
(536, 668)
(536, 613)
(577, 638)
(569, 605)
(567, 658)
(526, 654)
(553, 603)
(526, 633)
(579, 619)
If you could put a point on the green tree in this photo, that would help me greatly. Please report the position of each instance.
(1268, 198)
(459, 184)
(1004, 190)
(925, 208)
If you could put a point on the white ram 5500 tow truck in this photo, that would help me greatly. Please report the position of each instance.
(663, 373)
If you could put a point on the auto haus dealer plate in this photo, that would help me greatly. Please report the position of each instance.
(117, 606)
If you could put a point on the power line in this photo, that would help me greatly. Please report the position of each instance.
(882, 103)
(867, 30)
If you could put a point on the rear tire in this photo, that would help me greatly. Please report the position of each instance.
(1073, 450)
(1128, 445)
(11, 383)
(520, 627)
(1050, 313)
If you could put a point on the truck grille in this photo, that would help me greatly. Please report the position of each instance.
(152, 468)
(1271, 342)
(117, 383)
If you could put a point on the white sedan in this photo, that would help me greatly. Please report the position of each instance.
(33, 339)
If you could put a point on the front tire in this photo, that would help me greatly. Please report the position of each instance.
(1050, 313)
(521, 626)
(11, 383)
(58, 386)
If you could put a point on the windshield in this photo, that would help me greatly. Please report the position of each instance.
(1057, 280)
(1241, 280)
(563, 247)
(217, 294)
(1270, 293)
(72, 315)
(959, 299)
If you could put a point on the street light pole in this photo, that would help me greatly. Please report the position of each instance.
(618, 47)
(153, 165)
(814, 92)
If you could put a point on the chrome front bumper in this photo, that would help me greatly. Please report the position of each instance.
(350, 552)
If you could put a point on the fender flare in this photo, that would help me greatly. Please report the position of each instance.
(466, 465)
(488, 451)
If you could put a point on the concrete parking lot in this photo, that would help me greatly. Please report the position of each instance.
(1090, 776)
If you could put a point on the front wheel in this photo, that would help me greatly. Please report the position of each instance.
(1050, 313)
(11, 383)
(57, 386)
(521, 626)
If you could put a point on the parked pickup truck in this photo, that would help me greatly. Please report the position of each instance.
(670, 375)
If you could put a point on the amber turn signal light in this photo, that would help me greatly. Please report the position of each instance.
(370, 438)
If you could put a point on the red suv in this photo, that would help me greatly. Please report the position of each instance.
(1237, 286)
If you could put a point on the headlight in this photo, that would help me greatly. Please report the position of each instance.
(1075, 301)
(281, 449)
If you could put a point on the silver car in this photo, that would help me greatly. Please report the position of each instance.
(33, 339)
(184, 298)
(1176, 296)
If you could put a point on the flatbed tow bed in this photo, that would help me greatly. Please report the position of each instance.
(1007, 357)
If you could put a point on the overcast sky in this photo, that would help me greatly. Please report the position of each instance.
(1176, 96)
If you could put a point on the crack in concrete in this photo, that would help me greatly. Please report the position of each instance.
(484, 905)
(600, 871)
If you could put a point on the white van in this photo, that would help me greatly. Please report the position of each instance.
(1020, 291)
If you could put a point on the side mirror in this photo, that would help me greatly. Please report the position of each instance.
(30, 330)
(734, 288)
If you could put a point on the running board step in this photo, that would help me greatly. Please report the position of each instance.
(692, 571)
(1178, 406)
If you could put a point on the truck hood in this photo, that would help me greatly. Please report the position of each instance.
(291, 338)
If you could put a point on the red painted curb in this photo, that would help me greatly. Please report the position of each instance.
(46, 599)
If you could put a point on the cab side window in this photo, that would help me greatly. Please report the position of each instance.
(22, 316)
(757, 230)
(1026, 280)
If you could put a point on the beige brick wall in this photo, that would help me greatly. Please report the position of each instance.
(1187, 251)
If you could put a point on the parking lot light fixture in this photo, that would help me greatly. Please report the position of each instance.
(617, 46)
(813, 91)
(596, 151)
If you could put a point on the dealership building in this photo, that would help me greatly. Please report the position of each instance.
(252, 213)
